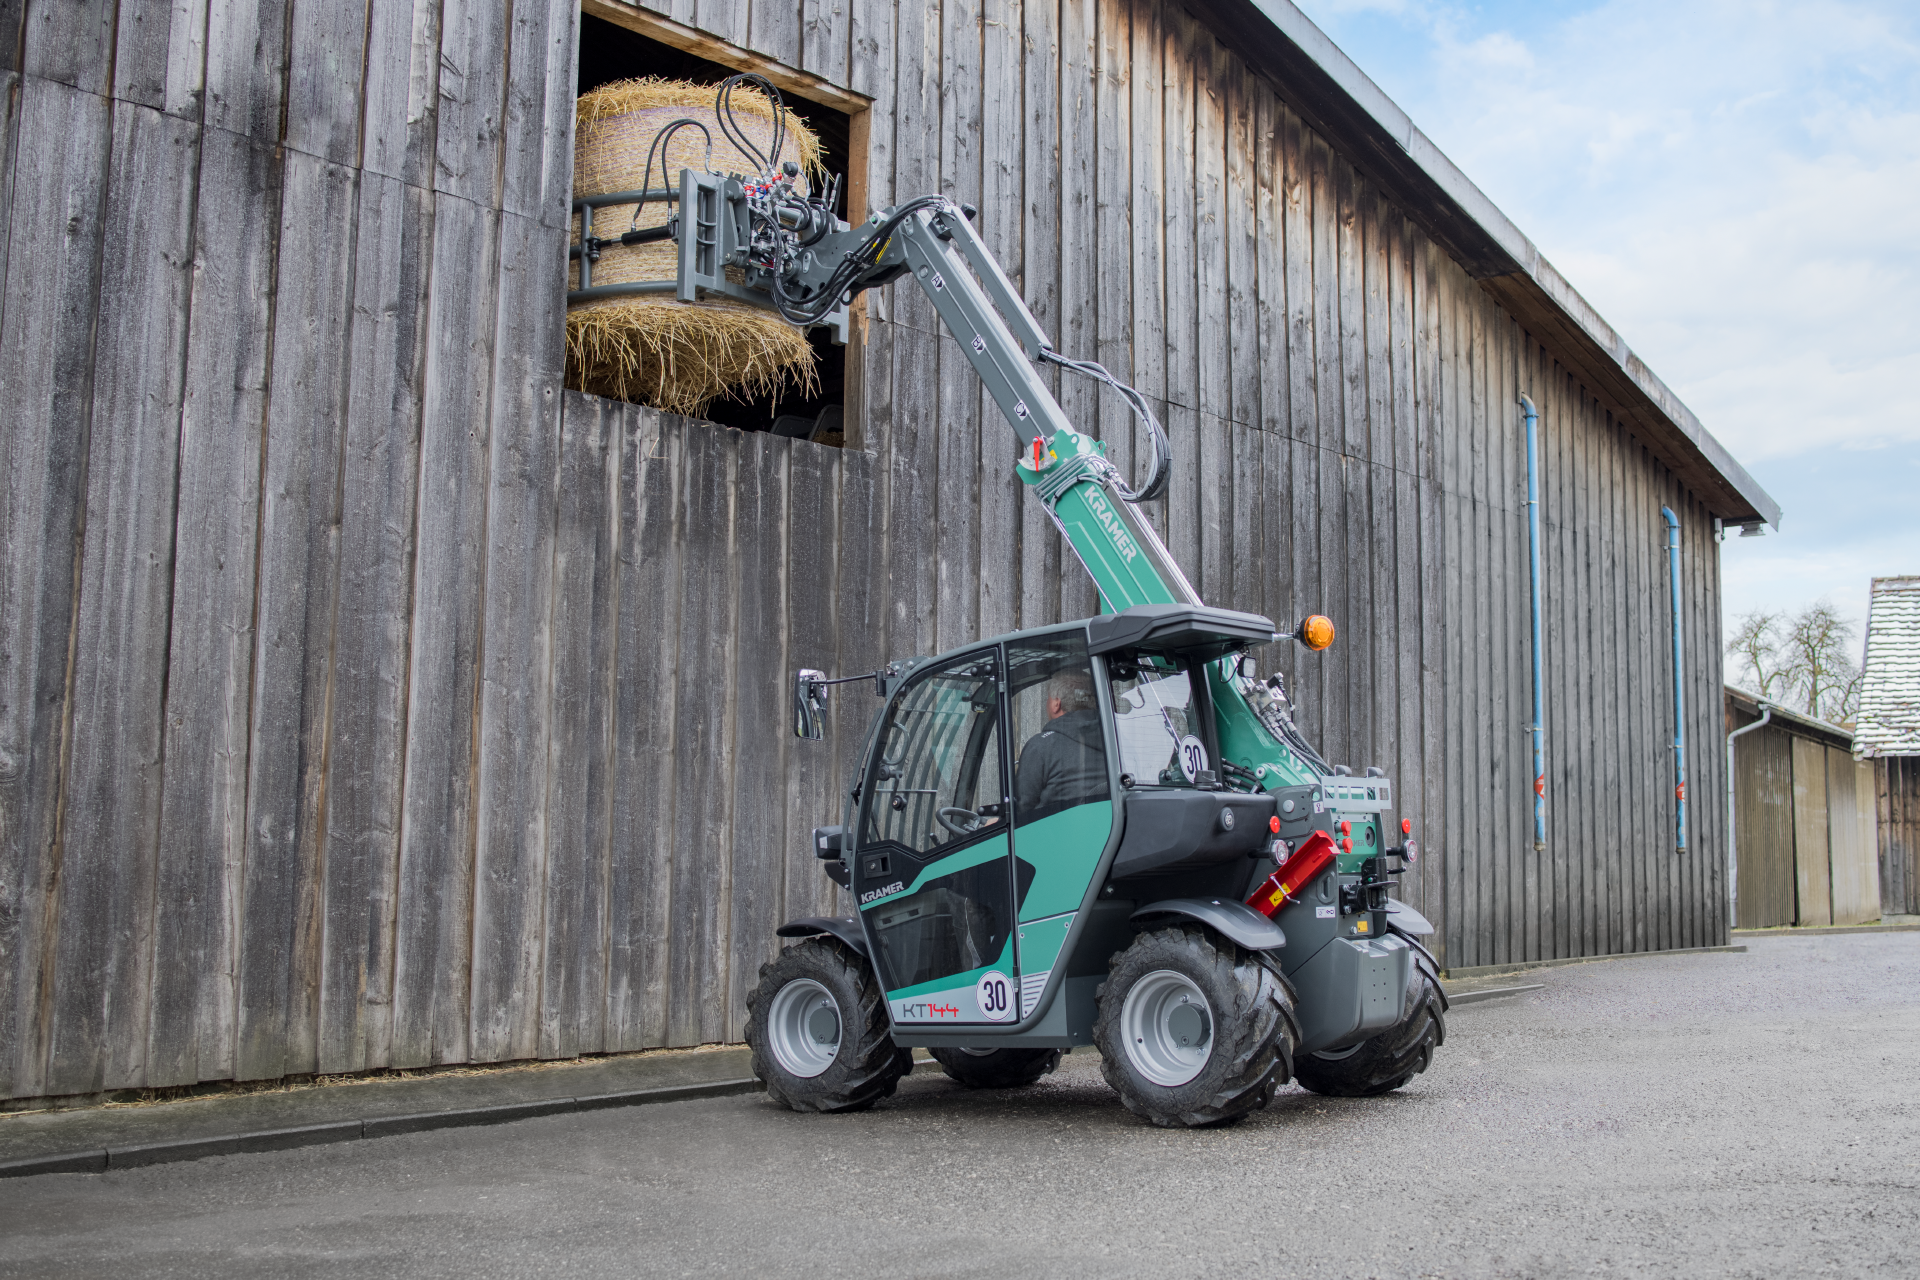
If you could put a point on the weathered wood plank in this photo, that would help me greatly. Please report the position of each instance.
(782, 507)
(537, 133)
(825, 26)
(1002, 496)
(1211, 104)
(1182, 529)
(210, 650)
(367, 709)
(579, 764)
(327, 56)
(70, 44)
(280, 919)
(700, 885)
(402, 89)
(1812, 866)
(103, 951)
(1040, 548)
(46, 369)
(774, 28)
(516, 645)
(470, 129)
(646, 707)
(727, 19)
(1241, 226)
(160, 53)
(246, 77)
(433, 964)
(959, 443)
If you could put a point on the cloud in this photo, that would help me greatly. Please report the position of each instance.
(1736, 188)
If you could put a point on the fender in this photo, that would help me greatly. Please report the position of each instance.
(1402, 918)
(845, 928)
(1235, 921)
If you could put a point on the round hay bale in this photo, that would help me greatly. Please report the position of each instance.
(651, 348)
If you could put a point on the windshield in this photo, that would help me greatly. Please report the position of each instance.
(1154, 723)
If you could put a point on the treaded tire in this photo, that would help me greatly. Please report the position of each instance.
(868, 1065)
(1000, 1069)
(1393, 1057)
(1253, 1034)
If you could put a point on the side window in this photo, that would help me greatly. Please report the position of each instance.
(936, 780)
(1154, 723)
(1062, 754)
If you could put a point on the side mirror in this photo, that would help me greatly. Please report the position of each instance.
(809, 704)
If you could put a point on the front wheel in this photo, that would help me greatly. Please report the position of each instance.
(818, 1029)
(1192, 1029)
(1390, 1059)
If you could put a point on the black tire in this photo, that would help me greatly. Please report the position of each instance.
(1393, 1057)
(997, 1068)
(1251, 1038)
(867, 1065)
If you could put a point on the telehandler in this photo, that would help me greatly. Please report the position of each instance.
(1107, 832)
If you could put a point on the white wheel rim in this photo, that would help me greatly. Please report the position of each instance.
(1166, 1042)
(803, 1028)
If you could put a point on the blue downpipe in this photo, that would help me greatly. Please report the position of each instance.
(1679, 688)
(1539, 682)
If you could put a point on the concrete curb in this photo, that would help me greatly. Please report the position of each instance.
(1491, 993)
(132, 1157)
(1791, 931)
(1489, 970)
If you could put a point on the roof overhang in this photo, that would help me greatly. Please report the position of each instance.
(1338, 100)
(1748, 703)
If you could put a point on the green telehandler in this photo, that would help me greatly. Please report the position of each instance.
(1106, 832)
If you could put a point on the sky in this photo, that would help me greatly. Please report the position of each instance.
(1736, 188)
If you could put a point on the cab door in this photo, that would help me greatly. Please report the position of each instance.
(933, 872)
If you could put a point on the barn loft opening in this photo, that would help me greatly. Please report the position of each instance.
(609, 52)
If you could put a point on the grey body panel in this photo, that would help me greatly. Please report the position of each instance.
(1173, 829)
(1206, 633)
(845, 928)
(1404, 918)
(1351, 989)
(1235, 921)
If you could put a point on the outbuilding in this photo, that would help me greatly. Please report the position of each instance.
(1888, 734)
(368, 699)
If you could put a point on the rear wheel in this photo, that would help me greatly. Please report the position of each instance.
(1192, 1029)
(818, 1029)
(1390, 1059)
(996, 1068)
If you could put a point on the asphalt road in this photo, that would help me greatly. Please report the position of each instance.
(1703, 1116)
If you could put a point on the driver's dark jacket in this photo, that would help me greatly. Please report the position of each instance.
(1063, 765)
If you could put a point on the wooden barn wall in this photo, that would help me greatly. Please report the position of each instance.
(1897, 802)
(366, 700)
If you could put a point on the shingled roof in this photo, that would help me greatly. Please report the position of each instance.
(1889, 719)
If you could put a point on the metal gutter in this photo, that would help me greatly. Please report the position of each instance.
(1337, 99)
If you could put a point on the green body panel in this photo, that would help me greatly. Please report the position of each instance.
(1090, 518)
(971, 856)
(1064, 849)
(955, 981)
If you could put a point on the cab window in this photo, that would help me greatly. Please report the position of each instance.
(936, 779)
(1061, 758)
(1156, 726)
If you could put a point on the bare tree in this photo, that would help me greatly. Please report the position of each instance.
(1804, 661)
(1755, 648)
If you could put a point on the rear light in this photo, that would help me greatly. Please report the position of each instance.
(1273, 825)
(1298, 871)
(1406, 826)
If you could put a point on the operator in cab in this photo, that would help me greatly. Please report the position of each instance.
(1065, 764)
